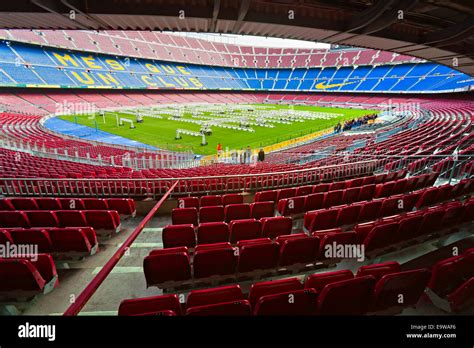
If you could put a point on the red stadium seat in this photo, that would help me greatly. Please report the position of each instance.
(188, 202)
(333, 198)
(150, 305)
(379, 270)
(298, 251)
(124, 206)
(314, 201)
(257, 290)
(350, 195)
(272, 227)
(214, 259)
(107, 220)
(237, 212)
(182, 216)
(212, 232)
(14, 219)
(232, 198)
(348, 215)
(299, 302)
(71, 218)
(6, 204)
(48, 203)
(179, 235)
(266, 196)
(256, 255)
(290, 206)
(209, 201)
(95, 204)
(367, 192)
(24, 203)
(39, 237)
(222, 294)
(232, 308)
(211, 213)
(319, 280)
(260, 210)
(164, 265)
(245, 229)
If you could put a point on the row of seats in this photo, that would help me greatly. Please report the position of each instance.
(65, 241)
(374, 289)
(276, 195)
(124, 206)
(226, 213)
(453, 282)
(370, 210)
(100, 220)
(209, 201)
(217, 232)
(300, 204)
(27, 276)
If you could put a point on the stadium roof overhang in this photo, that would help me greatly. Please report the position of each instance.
(437, 30)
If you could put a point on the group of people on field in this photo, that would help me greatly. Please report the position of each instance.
(242, 156)
(349, 124)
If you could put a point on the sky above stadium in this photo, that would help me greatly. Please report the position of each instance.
(256, 41)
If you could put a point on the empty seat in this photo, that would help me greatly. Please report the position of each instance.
(273, 227)
(232, 308)
(314, 201)
(188, 202)
(346, 297)
(324, 187)
(384, 190)
(257, 255)
(214, 259)
(399, 289)
(14, 219)
(350, 195)
(150, 305)
(379, 270)
(348, 215)
(260, 210)
(399, 187)
(179, 235)
(48, 203)
(286, 193)
(319, 280)
(266, 196)
(237, 212)
(428, 197)
(368, 180)
(212, 232)
(333, 198)
(408, 228)
(463, 297)
(338, 185)
(367, 192)
(299, 302)
(6, 204)
(391, 206)
(453, 213)
(164, 265)
(289, 206)
(107, 220)
(182, 216)
(124, 206)
(215, 295)
(326, 245)
(232, 198)
(39, 237)
(448, 275)
(42, 218)
(209, 201)
(71, 218)
(432, 220)
(95, 204)
(74, 240)
(21, 203)
(324, 219)
(298, 251)
(211, 213)
(370, 210)
(257, 290)
(304, 190)
(245, 229)
(71, 203)
(5, 237)
(381, 236)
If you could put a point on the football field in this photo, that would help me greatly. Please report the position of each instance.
(234, 126)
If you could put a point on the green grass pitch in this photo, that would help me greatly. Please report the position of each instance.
(161, 132)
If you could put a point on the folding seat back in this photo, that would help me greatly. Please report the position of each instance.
(103, 219)
(346, 297)
(428, 197)
(95, 204)
(164, 265)
(188, 202)
(10, 219)
(179, 235)
(272, 227)
(71, 203)
(211, 262)
(124, 206)
(409, 227)
(289, 206)
(453, 214)
(368, 180)
(432, 220)
(462, 298)
(380, 178)
(326, 247)
(392, 206)
(6, 204)
(260, 210)
(299, 302)
(399, 186)
(381, 236)
(324, 219)
(257, 256)
(348, 215)
(324, 187)
(469, 210)
(367, 192)
(314, 201)
(214, 295)
(421, 182)
(232, 308)
(304, 190)
(390, 287)
(212, 232)
(391, 176)
(350, 195)
(257, 290)
(446, 275)
(444, 193)
(378, 270)
(211, 214)
(286, 193)
(432, 177)
(333, 198)
(150, 305)
(21, 203)
(5, 237)
(39, 237)
(42, 218)
(370, 210)
(338, 185)
(71, 218)
(232, 198)
(410, 199)
(209, 201)
(182, 216)
(319, 280)
(384, 190)
(48, 203)
(299, 251)
(410, 184)
(237, 212)
(245, 229)
(22, 276)
(266, 196)
(357, 182)
(67, 240)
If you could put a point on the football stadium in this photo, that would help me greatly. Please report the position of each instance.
(237, 158)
